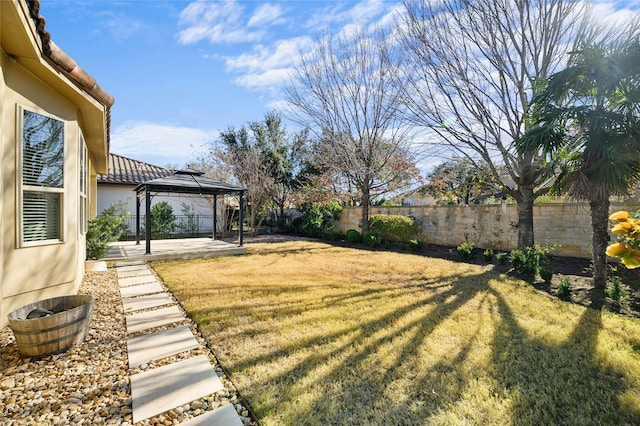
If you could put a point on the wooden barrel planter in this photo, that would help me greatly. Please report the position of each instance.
(51, 326)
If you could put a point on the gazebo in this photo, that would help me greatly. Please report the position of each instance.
(187, 181)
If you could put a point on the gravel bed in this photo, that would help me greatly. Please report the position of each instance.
(89, 384)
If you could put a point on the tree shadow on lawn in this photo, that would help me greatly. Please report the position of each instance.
(360, 375)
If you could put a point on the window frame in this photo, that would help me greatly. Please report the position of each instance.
(83, 185)
(21, 188)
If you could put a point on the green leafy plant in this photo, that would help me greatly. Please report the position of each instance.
(546, 272)
(354, 236)
(528, 261)
(371, 238)
(465, 250)
(316, 219)
(615, 291)
(105, 229)
(416, 245)
(502, 258)
(564, 287)
(488, 255)
(163, 221)
(394, 227)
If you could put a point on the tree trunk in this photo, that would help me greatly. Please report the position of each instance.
(525, 217)
(281, 221)
(599, 202)
(365, 209)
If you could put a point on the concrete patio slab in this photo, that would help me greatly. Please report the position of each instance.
(152, 319)
(141, 290)
(133, 304)
(187, 248)
(223, 416)
(160, 345)
(161, 389)
(140, 279)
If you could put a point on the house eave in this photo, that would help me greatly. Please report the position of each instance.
(20, 42)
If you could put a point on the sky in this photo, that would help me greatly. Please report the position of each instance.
(182, 71)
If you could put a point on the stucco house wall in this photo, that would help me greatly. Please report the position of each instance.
(30, 80)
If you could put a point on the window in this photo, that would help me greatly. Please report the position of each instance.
(42, 164)
(83, 182)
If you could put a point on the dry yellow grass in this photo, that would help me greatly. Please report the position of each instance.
(316, 334)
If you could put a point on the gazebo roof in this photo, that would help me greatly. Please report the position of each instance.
(188, 181)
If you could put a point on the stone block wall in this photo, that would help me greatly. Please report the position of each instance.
(496, 226)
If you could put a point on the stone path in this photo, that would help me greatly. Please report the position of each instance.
(149, 310)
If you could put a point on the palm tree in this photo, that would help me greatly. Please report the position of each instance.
(590, 112)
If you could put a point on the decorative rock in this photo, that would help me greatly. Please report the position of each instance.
(89, 383)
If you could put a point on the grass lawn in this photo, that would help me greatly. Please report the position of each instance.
(317, 334)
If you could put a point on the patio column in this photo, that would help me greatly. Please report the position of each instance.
(138, 201)
(215, 216)
(241, 218)
(147, 221)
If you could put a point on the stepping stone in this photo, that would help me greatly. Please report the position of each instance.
(223, 416)
(136, 267)
(141, 290)
(161, 389)
(152, 319)
(146, 302)
(134, 273)
(160, 345)
(141, 279)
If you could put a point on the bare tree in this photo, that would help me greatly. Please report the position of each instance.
(215, 166)
(474, 68)
(251, 169)
(343, 90)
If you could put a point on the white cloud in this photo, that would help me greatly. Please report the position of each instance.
(282, 53)
(159, 144)
(217, 22)
(266, 14)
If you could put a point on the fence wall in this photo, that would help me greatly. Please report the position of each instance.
(495, 226)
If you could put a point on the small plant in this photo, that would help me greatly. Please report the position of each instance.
(465, 250)
(488, 255)
(502, 258)
(546, 272)
(528, 261)
(615, 291)
(354, 236)
(564, 287)
(106, 229)
(416, 245)
(372, 238)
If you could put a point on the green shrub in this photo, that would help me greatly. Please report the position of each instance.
(105, 229)
(502, 258)
(393, 227)
(416, 245)
(528, 261)
(488, 255)
(316, 220)
(615, 291)
(546, 272)
(354, 236)
(332, 235)
(372, 238)
(163, 221)
(564, 288)
(465, 250)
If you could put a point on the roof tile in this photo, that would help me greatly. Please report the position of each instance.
(132, 172)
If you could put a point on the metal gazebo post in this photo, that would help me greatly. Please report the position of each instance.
(138, 201)
(147, 221)
(241, 218)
